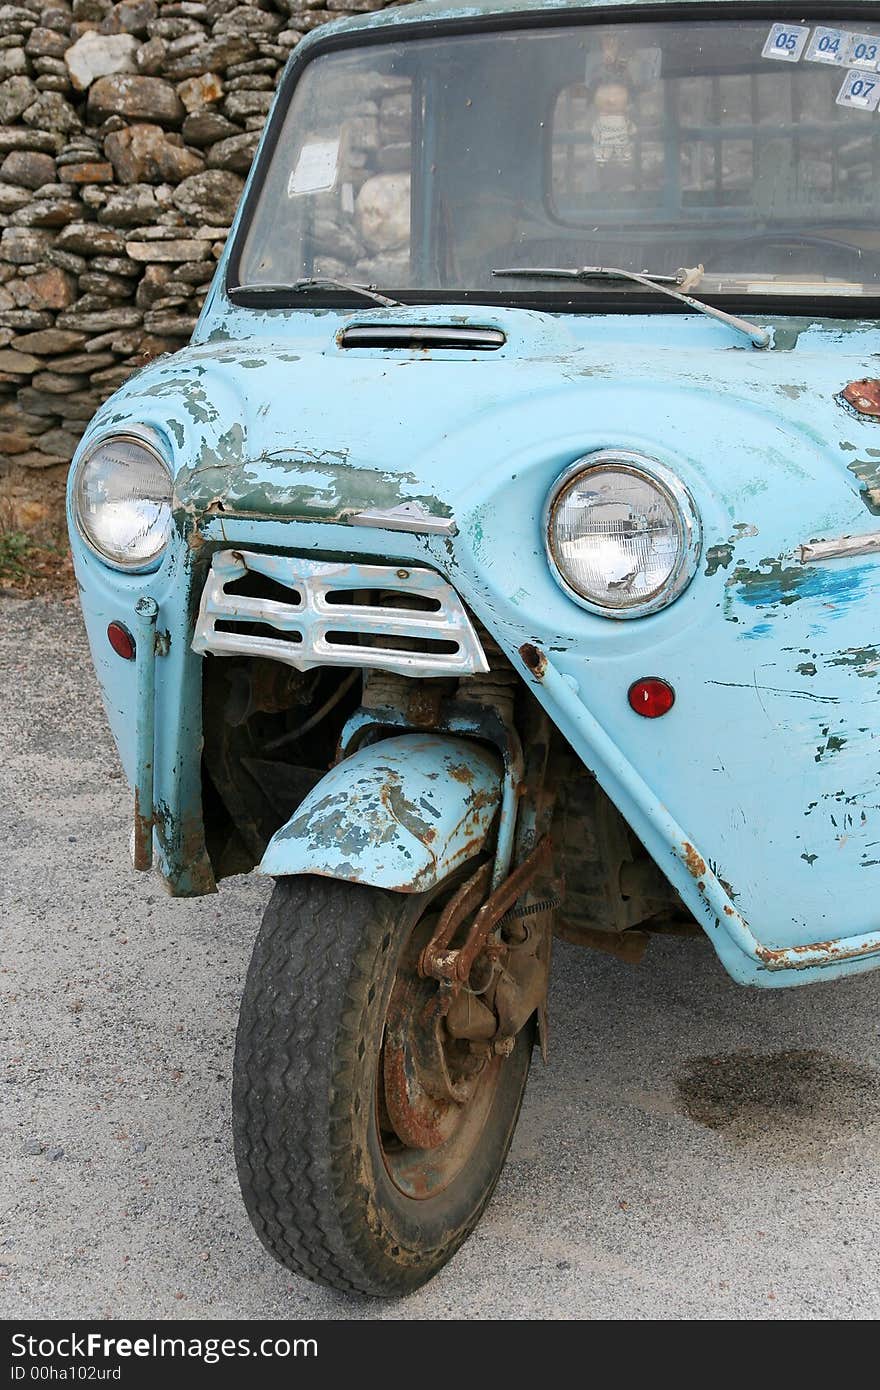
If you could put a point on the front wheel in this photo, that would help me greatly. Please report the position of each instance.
(368, 1139)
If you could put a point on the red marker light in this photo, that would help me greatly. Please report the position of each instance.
(651, 697)
(121, 641)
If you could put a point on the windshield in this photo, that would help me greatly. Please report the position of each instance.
(750, 148)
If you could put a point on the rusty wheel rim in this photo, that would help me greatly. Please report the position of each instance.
(434, 1094)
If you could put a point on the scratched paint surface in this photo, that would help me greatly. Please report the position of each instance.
(770, 758)
(401, 814)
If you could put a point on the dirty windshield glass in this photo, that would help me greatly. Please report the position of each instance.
(750, 148)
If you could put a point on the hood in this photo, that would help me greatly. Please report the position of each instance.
(299, 426)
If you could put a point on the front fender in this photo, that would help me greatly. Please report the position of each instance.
(400, 814)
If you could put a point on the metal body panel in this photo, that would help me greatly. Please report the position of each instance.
(769, 758)
(107, 595)
(759, 792)
(400, 814)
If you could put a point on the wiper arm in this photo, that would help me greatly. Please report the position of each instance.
(318, 282)
(759, 337)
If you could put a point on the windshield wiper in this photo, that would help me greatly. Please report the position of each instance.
(684, 279)
(318, 282)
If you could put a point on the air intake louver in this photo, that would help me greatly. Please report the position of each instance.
(419, 336)
(309, 613)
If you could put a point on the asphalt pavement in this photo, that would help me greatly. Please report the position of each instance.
(692, 1150)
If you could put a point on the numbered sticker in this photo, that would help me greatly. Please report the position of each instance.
(864, 52)
(786, 42)
(861, 90)
(829, 46)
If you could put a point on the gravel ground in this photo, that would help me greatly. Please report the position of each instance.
(693, 1150)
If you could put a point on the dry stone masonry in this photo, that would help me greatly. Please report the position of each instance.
(126, 131)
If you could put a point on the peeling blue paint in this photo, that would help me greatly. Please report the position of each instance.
(276, 439)
(400, 814)
(778, 582)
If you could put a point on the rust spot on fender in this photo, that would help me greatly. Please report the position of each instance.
(461, 772)
(182, 839)
(534, 659)
(832, 950)
(143, 836)
(696, 864)
(863, 397)
(481, 799)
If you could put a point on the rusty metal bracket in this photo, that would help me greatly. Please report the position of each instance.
(454, 966)
(146, 612)
(468, 898)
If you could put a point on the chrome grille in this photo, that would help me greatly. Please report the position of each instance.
(310, 613)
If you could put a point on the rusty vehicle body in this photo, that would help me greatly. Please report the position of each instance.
(500, 559)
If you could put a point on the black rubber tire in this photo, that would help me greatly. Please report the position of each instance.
(304, 1097)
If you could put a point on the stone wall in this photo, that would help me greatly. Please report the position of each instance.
(126, 131)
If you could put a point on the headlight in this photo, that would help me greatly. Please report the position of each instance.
(122, 501)
(622, 533)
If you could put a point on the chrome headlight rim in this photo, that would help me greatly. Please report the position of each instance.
(682, 505)
(152, 442)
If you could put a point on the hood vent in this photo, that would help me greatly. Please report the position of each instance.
(419, 336)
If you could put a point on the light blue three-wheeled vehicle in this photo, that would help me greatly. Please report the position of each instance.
(502, 557)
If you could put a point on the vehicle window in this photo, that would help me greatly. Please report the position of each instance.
(338, 198)
(773, 141)
(750, 148)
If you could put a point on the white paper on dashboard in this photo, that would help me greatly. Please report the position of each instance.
(316, 169)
